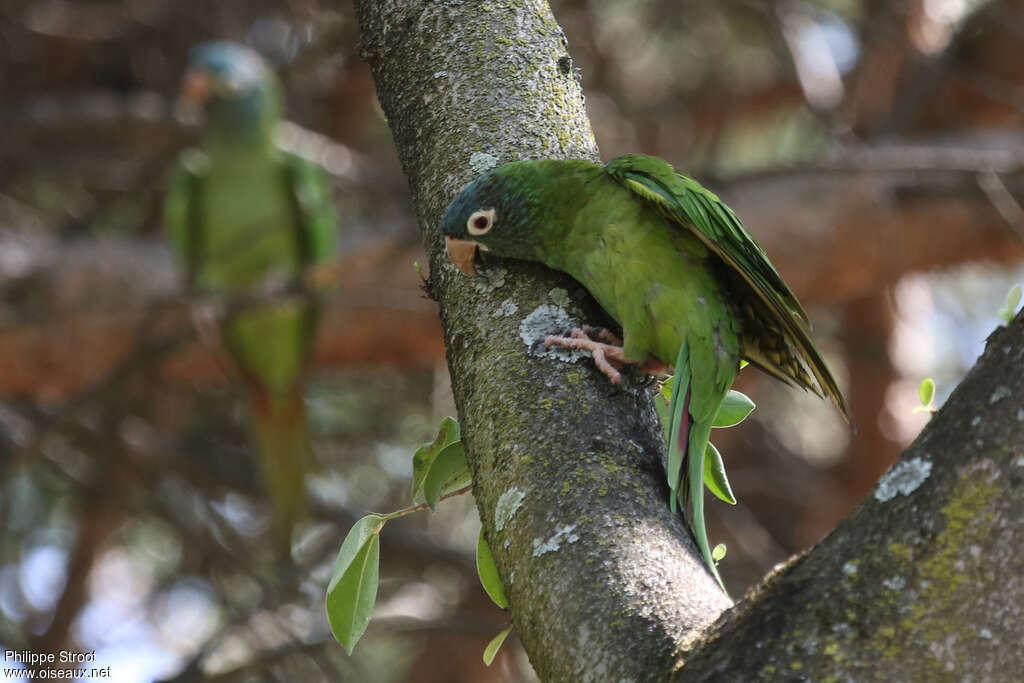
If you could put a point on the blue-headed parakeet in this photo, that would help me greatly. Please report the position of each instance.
(671, 264)
(248, 221)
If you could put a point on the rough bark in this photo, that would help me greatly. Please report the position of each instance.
(924, 581)
(604, 585)
(567, 471)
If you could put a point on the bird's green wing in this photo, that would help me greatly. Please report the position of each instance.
(182, 210)
(686, 203)
(312, 208)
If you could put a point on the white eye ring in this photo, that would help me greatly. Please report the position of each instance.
(481, 221)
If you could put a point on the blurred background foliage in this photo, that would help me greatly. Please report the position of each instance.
(874, 147)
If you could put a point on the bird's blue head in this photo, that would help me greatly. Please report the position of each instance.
(496, 212)
(236, 89)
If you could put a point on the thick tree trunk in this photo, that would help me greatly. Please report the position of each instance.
(919, 583)
(603, 580)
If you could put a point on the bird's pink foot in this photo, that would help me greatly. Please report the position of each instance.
(608, 354)
(608, 358)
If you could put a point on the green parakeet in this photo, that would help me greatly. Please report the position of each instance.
(671, 264)
(248, 219)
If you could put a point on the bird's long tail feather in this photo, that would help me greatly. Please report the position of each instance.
(688, 439)
(679, 424)
(279, 436)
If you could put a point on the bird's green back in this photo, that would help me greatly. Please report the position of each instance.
(239, 219)
(650, 278)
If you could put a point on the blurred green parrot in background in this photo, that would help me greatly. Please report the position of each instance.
(248, 220)
(671, 264)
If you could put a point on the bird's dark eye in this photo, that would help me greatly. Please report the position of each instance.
(481, 221)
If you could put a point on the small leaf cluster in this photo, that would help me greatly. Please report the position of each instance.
(734, 409)
(439, 467)
(439, 471)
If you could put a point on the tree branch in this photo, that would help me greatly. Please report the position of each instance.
(923, 580)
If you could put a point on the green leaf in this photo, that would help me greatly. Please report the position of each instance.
(714, 475)
(492, 647)
(1012, 299)
(448, 472)
(662, 400)
(488, 572)
(353, 587)
(447, 434)
(718, 553)
(926, 391)
(666, 389)
(734, 409)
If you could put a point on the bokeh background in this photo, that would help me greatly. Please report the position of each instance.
(874, 147)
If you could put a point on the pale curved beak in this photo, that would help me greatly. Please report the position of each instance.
(462, 253)
(196, 88)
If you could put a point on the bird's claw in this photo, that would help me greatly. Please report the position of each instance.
(608, 353)
(608, 358)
